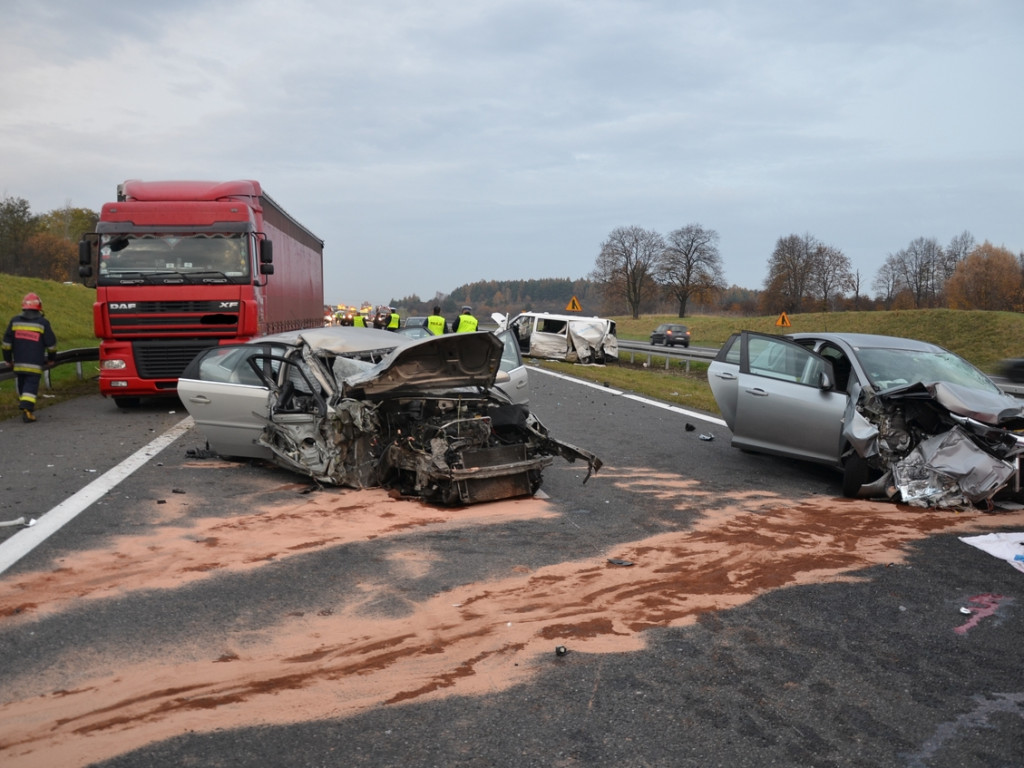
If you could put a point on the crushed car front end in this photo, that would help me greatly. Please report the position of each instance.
(427, 421)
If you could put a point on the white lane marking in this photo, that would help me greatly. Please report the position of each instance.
(23, 542)
(644, 400)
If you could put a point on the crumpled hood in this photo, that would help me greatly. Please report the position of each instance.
(993, 408)
(440, 363)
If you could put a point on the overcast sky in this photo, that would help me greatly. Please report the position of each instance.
(431, 143)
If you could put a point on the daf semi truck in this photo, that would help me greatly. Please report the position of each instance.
(180, 266)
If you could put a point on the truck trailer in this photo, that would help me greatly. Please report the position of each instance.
(180, 266)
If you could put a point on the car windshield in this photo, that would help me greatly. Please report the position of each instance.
(888, 368)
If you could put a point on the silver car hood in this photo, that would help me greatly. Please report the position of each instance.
(446, 362)
(993, 408)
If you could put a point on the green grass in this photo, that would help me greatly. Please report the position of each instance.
(984, 338)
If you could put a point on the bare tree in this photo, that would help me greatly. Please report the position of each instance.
(886, 282)
(957, 250)
(691, 265)
(790, 270)
(918, 267)
(627, 265)
(831, 276)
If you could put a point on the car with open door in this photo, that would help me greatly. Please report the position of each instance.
(902, 418)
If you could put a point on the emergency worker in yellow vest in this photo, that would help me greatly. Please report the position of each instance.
(465, 323)
(394, 322)
(436, 323)
(359, 320)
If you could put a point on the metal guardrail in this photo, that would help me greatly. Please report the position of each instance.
(685, 355)
(76, 356)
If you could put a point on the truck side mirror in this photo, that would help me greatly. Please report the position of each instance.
(84, 259)
(266, 254)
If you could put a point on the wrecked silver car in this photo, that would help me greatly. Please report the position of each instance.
(360, 407)
(903, 419)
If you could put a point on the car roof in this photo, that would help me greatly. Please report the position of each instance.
(871, 341)
(339, 339)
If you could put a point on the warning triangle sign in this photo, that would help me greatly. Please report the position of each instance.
(574, 305)
(783, 321)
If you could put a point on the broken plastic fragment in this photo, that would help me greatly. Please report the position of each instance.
(707, 436)
(619, 561)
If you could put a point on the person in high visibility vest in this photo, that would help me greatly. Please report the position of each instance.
(436, 323)
(359, 320)
(465, 323)
(394, 322)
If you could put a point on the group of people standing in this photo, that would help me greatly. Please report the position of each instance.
(463, 323)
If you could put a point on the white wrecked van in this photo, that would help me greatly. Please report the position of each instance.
(563, 337)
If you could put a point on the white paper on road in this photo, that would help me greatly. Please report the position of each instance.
(1005, 546)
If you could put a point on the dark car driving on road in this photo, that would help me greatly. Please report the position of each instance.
(671, 334)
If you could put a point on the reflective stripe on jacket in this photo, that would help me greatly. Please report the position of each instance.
(28, 341)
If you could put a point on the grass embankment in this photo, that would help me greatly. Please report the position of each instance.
(984, 338)
(69, 310)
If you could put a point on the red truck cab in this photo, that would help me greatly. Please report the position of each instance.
(180, 266)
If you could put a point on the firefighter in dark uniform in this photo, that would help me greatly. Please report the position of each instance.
(436, 323)
(465, 323)
(29, 343)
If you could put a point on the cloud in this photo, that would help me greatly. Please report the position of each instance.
(434, 144)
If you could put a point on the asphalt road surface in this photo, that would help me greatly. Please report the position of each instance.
(690, 605)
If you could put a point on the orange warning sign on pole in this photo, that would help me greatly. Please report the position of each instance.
(783, 321)
(574, 305)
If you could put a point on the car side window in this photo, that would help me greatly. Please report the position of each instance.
(783, 360)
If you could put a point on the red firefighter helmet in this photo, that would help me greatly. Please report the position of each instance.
(31, 301)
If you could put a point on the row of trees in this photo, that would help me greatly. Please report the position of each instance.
(506, 296)
(636, 266)
(639, 269)
(43, 246)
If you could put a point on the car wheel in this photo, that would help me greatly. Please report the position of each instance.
(855, 474)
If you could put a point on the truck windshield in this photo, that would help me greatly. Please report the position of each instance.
(194, 259)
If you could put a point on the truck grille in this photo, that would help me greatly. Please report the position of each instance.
(174, 318)
(166, 359)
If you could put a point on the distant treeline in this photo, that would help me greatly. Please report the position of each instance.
(510, 296)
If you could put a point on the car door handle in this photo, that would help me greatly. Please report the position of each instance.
(757, 392)
(726, 375)
(201, 399)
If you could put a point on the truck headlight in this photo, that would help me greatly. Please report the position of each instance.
(113, 365)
